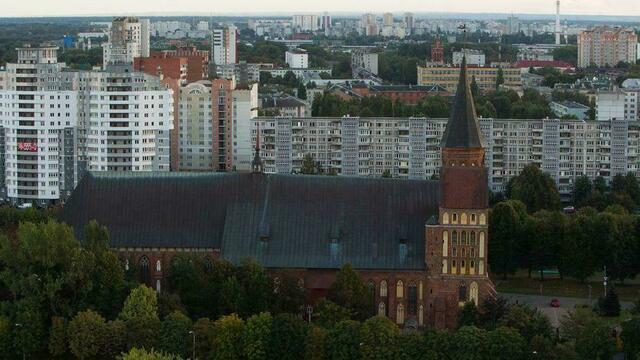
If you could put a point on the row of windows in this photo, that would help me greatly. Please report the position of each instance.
(464, 219)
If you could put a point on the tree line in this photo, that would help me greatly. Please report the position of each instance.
(530, 231)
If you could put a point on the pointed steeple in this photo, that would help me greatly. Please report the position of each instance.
(462, 129)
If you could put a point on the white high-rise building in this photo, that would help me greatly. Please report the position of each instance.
(297, 59)
(56, 124)
(245, 108)
(129, 38)
(39, 135)
(618, 104)
(305, 22)
(203, 26)
(409, 22)
(223, 45)
(326, 21)
(473, 57)
(387, 19)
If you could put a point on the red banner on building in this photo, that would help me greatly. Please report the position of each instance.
(30, 146)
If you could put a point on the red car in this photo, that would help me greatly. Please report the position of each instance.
(555, 303)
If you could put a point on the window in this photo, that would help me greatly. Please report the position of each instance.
(473, 293)
(473, 218)
(481, 246)
(421, 316)
(462, 292)
(383, 288)
(399, 289)
(144, 269)
(445, 243)
(400, 314)
(472, 267)
(454, 238)
(463, 219)
(158, 265)
(483, 219)
(463, 240)
(158, 286)
(444, 266)
(413, 300)
(480, 267)
(454, 218)
(445, 218)
(382, 309)
(472, 237)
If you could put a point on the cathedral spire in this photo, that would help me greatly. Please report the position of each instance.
(462, 129)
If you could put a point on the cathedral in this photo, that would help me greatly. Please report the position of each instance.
(421, 246)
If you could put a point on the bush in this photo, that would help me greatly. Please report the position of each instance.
(609, 305)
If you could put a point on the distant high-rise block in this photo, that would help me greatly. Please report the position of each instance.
(606, 46)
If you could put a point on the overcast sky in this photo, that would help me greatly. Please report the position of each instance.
(221, 7)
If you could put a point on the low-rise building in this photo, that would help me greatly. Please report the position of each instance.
(473, 57)
(485, 77)
(564, 109)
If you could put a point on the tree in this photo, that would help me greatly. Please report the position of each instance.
(469, 343)
(142, 354)
(85, 334)
(316, 344)
(58, 342)
(352, 293)
(302, 91)
(582, 190)
(142, 332)
(287, 337)
(228, 341)
(174, 334)
(290, 295)
(547, 238)
(499, 78)
(468, 315)
(205, 335)
(610, 304)
(378, 335)
(631, 338)
(506, 228)
(309, 166)
(410, 346)
(535, 189)
(327, 313)
(256, 290)
(585, 243)
(528, 322)
(343, 342)
(491, 311)
(257, 336)
(141, 302)
(506, 343)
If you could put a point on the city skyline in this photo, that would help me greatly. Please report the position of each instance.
(116, 7)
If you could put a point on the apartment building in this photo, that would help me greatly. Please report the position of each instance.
(129, 38)
(39, 119)
(204, 117)
(618, 104)
(472, 56)
(486, 77)
(410, 147)
(297, 59)
(57, 124)
(186, 64)
(306, 22)
(244, 109)
(607, 46)
(223, 45)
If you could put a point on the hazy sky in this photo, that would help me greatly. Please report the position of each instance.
(114, 7)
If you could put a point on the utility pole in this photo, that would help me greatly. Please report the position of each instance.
(605, 280)
(194, 344)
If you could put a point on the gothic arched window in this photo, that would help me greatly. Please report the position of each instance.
(400, 289)
(383, 288)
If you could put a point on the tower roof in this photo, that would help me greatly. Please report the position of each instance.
(462, 129)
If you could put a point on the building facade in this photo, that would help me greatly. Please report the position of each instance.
(472, 57)
(186, 64)
(297, 59)
(618, 104)
(420, 246)
(606, 46)
(223, 45)
(58, 124)
(129, 38)
(409, 147)
(363, 60)
(486, 77)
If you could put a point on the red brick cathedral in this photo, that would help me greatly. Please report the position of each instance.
(420, 245)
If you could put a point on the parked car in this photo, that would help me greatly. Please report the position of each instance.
(555, 303)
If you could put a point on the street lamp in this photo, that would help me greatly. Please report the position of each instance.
(605, 278)
(194, 343)
(24, 356)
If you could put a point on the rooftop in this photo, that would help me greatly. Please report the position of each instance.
(282, 221)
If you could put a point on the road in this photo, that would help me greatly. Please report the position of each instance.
(541, 302)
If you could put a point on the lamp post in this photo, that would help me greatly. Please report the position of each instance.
(605, 278)
(24, 356)
(194, 344)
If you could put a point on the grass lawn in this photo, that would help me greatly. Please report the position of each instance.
(520, 283)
